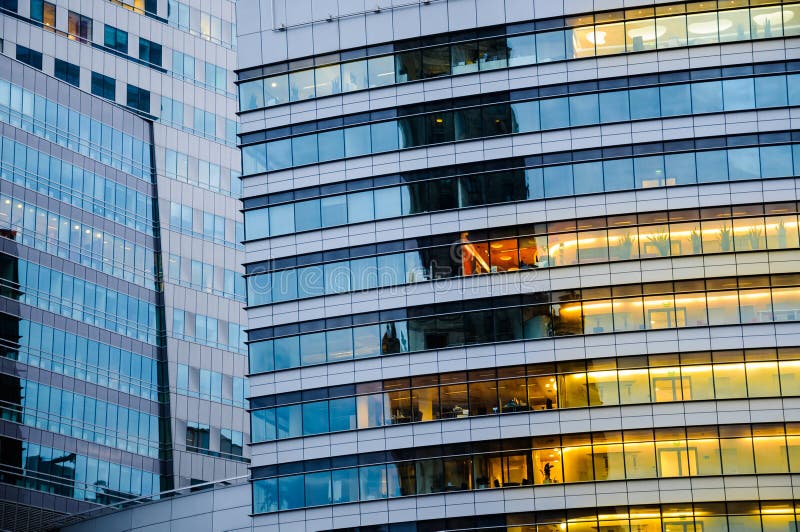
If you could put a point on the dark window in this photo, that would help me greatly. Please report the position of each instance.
(116, 39)
(197, 437)
(68, 72)
(10, 5)
(230, 442)
(44, 12)
(79, 27)
(31, 57)
(138, 98)
(150, 51)
(103, 86)
(151, 6)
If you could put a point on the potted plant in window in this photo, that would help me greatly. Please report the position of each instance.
(782, 235)
(697, 241)
(625, 246)
(754, 238)
(725, 238)
(661, 242)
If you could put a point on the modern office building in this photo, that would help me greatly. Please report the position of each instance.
(523, 264)
(123, 331)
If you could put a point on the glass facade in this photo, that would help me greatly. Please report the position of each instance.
(518, 113)
(569, 458)
(694, 376)
(521, 44)
(631, 173)
(82, 321)
(619, 238)
(588, 311)
(735, 515)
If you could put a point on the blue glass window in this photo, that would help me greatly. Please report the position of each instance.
(315, 418)
(360, 207)
(307, 215)
(291, 492)
(279, 154)
(331, 145)
(265, 495)
(680, 169)
(287, 352)
(345, 485)
(524, 117)
(334, 210)
(312, 348)
(645, 103)
(618, 174)
(357, 141)
(289, 421)
(584, 109)
(713, 166)
(738, 94)
(257, 223)
(384, 136)
(676, 100)
(281, 219)
(707, 97)
(776, 161)
(304, 150)
(558, 181)
(261, 357)
(318, 488)
(771, 91)
(284, 285)
(310, 281)
(554, 113)
(588, 177)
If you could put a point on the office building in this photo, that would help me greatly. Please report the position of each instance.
(521, 264)
(123, 328)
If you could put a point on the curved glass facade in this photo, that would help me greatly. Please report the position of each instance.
(618, 238)
(695, 376)
(622, 308)
(516, 113)
(735, 515)
(632, 174)
(542, 460)
(529, 181)
(635, 30)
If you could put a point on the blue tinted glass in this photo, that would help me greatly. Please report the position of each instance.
(793, 83)
(315, 418)
(743, 163)
(649, 171)
(521, 50)
(340, 344)
(331, 145)
(707, 97)
(524, 117)
(384, 136)
(363, 273)
(387, 203)
(251, 94)
(738, 94)
(318, 488)
(558, 181)
(644, 103)
(264, 428)
(771, 91)
(550, 46)
(680, 169)
(712, 166)
(345, 485)
(367, 341)
(259, 289)
(372, 482)
(357, 141)
(360, 207)
(391, 270)
(337, 277)
(676, 100)
(291, 492)
(554, 113)
(304, 150)
(279, 154)
(307, 215)
(618, 174)
(534, 182)
(281, 219)
(287, 352)
(310, 282)
(343, 414)
(776, 161)
(254, 159)
(588, 177)
(256, 223)
(584, 109)
(334, 210)
(265, 495)
(261, 358)
(289, 420)
(284, 285)
(312, 348)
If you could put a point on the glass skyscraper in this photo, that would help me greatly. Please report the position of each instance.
(522, 264)
(121, 297)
